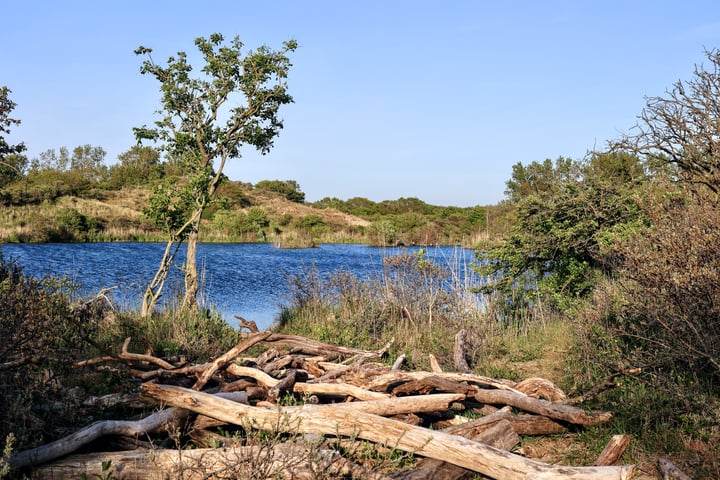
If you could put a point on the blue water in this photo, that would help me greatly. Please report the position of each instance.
(248, 280)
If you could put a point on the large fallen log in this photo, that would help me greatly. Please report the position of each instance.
(288, 461)
(313, 347)
(390, 378)
(492, 430)
(566, 413)
(343, 420)
(130, 428)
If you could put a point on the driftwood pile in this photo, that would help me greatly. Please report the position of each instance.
(342, 398)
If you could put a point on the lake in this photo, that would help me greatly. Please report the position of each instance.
(237, 279)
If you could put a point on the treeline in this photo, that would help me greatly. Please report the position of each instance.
(75, 195)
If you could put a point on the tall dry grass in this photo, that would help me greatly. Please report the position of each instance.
(421, 304)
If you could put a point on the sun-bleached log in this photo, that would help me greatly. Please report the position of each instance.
(267, 381)
(613, 450)
(131, 428)
(313, 347)
(384, 380)
(285, 461)
(566, 413)
(343, 420)
(227, 357)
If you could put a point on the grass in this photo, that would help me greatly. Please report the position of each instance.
(418, 303)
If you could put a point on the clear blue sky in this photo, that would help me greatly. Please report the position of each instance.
(427, 99)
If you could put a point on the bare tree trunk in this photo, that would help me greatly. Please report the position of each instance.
(155, 288)
(191, 273)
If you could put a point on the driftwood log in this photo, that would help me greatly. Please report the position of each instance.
(613, 450)
(287, 461)
(131, 428)
(345, 419)
(670, 471)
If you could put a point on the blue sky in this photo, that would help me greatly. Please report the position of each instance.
(434, 100)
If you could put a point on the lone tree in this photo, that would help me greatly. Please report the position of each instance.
(204, 123)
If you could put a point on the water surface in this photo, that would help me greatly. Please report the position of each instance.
(238, 279)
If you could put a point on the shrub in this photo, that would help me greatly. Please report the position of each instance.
(672, 305)
(41, 333)
(660, 313)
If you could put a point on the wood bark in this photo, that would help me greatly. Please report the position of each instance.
(670, 471)
(613, 450)
(223, 360)
(432, 384)
(382, 382)
(566, 413)
(299, 344)
(131, 428)
(339, 419)
(493, 430)
(267, 381)
(459, 358)
(398, 363)
(498, 434)
(284, 461)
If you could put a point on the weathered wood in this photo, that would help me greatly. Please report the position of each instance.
(274, 367)
(74, 441)
(132, 428)
(283, 386)
(267, 381)
(613, 450)
(434, 365)
(341, 419)
(299, 344)
(223, 360)
(287, 461)
(670, 471)
(541, 388)
(338, 389)
(398, 363)
(391, 378)
(432, 384)
(566, 413)
(497, 434)
(525, 424)
(459, 357)
(312, 368)
(249, 324)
